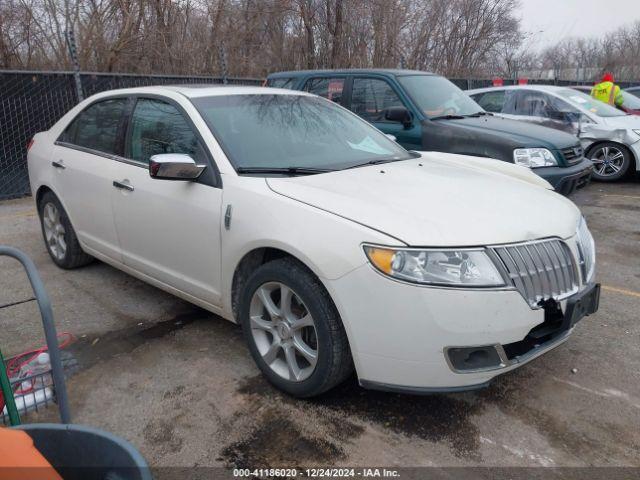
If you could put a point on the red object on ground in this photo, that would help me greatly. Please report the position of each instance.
(19, 459)
(523, 81)
(498, 82)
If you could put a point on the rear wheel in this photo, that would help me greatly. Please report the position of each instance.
(293, 329)
(59, 235)
(611, 161)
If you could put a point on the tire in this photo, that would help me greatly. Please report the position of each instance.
(58, 233)
(308, 301)
(611, 161)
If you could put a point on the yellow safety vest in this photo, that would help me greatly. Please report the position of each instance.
(607, 92)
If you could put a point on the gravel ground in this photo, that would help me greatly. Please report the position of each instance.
(179, 383)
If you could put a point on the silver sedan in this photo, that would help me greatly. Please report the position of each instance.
(610, 137)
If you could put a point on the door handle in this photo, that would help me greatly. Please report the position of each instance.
(123, 186)
(59, 164)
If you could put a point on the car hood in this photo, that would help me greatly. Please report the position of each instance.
(522, 133)
(623, 121)
(440, 200)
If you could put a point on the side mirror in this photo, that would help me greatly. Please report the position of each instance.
(398, 114)
(174, 166)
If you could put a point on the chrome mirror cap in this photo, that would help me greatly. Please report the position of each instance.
(174, 166)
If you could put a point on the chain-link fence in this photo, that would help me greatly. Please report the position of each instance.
(31, 102)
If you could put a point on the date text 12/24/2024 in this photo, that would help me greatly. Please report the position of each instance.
(315, 473)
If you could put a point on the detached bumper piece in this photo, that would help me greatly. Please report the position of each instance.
(550, 333)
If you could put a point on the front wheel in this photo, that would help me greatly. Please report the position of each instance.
(293, 329)
(611, 161)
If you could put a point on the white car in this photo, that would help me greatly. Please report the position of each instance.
(330, 244)
(610, 137)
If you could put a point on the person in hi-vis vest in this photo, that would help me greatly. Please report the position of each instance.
(608, 92)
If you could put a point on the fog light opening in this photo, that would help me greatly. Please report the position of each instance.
(476, 356)
(467, 359)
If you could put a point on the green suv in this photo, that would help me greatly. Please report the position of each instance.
(427, 112)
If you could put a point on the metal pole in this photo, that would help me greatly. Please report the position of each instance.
(73, 53)
(7, 393)
(49, 328)
(223, 62)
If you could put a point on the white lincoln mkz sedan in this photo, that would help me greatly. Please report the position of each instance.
(332, 246)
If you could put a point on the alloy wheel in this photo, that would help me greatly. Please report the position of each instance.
(284, 331)
(607, 161)
(54, 231)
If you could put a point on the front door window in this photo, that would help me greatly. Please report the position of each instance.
(158, 127)
(371, 97)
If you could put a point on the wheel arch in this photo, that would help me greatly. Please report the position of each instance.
(255, 258)
(44, 188)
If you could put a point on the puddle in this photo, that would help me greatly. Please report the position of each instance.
(93, 349)
(277, 442)
(434, 418)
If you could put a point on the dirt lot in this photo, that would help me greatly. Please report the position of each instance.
(178, 382)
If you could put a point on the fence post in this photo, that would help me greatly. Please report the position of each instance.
(223, 62)
(73, 53)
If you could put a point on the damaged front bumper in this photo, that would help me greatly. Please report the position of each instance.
(566, 180)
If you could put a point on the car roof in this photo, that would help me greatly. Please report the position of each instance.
(540, 88)
(204, 90)
(393, 72)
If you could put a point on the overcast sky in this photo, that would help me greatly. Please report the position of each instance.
(570, 18)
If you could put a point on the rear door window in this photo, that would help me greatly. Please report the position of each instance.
(98, 127)
(370, 97)
(280, 82)
(329, 88)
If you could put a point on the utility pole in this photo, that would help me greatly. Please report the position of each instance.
(73, 53)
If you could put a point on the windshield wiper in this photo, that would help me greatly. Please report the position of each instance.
(479, 114)
(284, 170)
(376, 162)
(448, 117)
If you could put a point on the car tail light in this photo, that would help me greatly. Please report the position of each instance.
(29, 144)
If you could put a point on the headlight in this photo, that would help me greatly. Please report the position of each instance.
(586, 250)
(457, 268)
(534, 157)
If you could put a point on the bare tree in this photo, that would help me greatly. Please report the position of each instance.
(453, 37)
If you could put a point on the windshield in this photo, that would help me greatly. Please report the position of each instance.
(293, 131)
(582, 100)
(437, 96)
(630, 101)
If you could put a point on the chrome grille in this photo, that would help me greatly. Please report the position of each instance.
(573, 154)
(540, 270)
